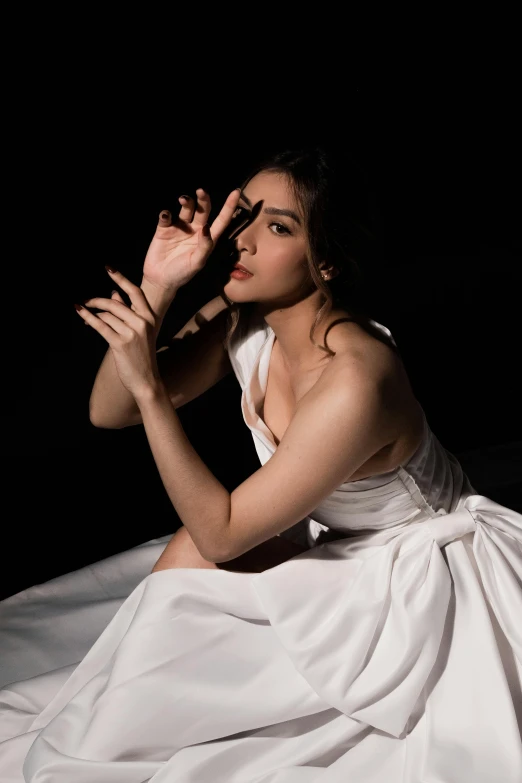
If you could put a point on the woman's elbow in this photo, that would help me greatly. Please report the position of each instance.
(97, 419)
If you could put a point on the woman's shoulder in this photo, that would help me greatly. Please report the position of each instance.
(361, 344)
(364, 358)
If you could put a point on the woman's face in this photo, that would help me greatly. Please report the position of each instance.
(270, 243)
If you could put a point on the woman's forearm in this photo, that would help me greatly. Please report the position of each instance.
(201, 501)
(111, 405)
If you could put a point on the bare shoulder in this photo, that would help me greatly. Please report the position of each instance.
(363, 390)
(359, 356)
(365, 364)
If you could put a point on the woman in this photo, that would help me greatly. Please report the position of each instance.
(360, 620)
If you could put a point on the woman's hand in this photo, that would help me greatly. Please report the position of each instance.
(180, 247)
(131, 334)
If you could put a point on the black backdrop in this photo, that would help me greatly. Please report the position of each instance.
(90, 181)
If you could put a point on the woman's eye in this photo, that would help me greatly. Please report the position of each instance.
(280, 229)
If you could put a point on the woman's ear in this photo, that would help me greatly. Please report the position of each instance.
(328, 271)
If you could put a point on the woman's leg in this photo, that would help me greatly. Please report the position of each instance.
(181, 552)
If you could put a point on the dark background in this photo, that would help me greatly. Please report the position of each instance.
(93, 173)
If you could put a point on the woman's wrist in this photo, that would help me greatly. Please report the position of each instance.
(151, 394)
(159, 298)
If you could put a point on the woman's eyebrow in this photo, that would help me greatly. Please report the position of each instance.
(274, 210)
(285, 212)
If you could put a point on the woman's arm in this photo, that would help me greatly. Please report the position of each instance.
(111, 405)
(179, 249)
(201, 501)
(344, 420)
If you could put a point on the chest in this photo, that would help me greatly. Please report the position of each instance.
(282, 397)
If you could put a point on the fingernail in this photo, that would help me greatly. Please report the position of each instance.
(113, 292)
(205, 230)
(165, 215)
(185, 197)
(110, 269)
(77, 306)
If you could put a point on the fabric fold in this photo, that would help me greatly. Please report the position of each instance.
(366, 630)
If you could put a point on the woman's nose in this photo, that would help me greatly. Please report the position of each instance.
(245, 237)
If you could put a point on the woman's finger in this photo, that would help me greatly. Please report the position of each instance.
(225, 216)
(186, 212)
(202, 208)
(164, 219)
(118, 298)
(203, 249)
(116, 324)
(134, 292)
(100, 326)
(118, 309)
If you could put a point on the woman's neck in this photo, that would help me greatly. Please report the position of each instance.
(292, 333)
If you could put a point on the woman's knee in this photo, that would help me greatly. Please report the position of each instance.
(181, 552)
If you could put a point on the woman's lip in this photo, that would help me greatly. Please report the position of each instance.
(242, 269)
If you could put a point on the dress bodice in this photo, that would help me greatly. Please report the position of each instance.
(430, 483)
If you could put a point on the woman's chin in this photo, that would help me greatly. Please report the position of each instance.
(235, 292)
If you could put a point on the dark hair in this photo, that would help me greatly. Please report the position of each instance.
(330, 198)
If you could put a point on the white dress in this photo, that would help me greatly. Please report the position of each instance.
(392, 654)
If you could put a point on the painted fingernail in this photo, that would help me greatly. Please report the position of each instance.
(113, 292)
(110, 269)
(165, 215)
(78, 307)
(185, 197)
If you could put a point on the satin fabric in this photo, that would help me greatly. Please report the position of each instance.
(389, 652)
